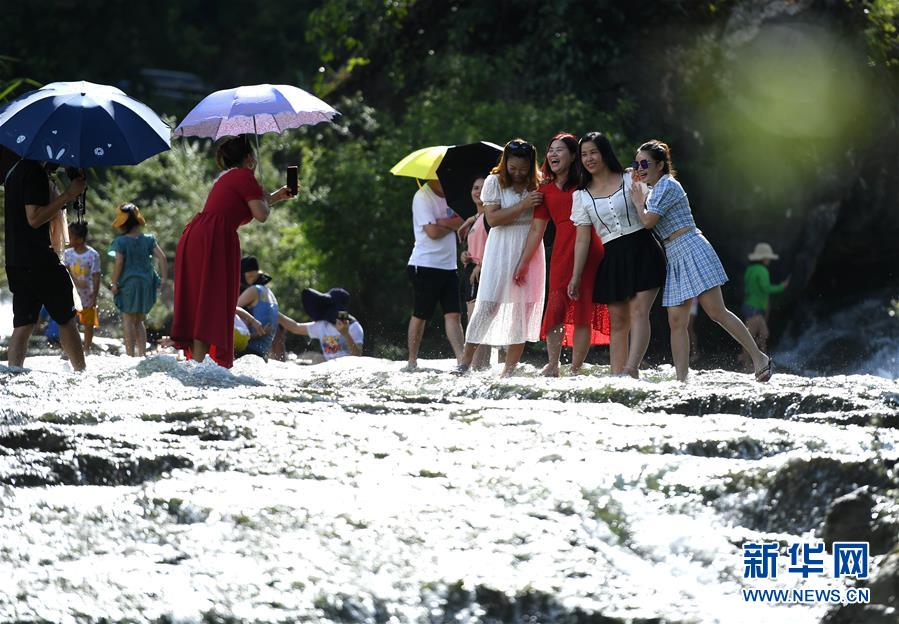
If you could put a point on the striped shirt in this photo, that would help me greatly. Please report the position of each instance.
(669, 200)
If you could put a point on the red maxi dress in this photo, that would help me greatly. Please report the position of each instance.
(560, 310)
(207, 267)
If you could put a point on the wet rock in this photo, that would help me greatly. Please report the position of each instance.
(89, 468)
(861, 614)
(344, 608)
(810, 402)
(884, 606)
(536, 606)
(106, 470)
(800, 493)
(742, 448)
(197, 415)
(213, 430)
(44, 439)
(857, 517)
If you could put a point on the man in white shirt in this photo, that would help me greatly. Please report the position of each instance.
(432, 269)
(339, 333)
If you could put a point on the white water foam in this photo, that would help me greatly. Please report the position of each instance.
(859, 339)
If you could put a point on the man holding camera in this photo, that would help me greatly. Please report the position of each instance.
(338, 332)
(33, 269)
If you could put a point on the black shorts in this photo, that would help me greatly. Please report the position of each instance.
(431, 286)
(33, 287)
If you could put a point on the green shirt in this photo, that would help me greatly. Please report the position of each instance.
(757, 286)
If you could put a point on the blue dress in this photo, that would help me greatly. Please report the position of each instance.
(138, 281)
(266, 312)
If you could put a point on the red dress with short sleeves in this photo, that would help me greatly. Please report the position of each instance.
(560, 310)
(207, 267)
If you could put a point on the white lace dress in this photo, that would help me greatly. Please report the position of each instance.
(504, 313)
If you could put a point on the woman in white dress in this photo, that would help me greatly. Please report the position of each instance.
(506, 313)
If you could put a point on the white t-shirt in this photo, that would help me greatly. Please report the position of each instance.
(436, 253)
(333, 344)
(82, 268)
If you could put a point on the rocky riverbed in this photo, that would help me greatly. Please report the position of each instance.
(159, 490)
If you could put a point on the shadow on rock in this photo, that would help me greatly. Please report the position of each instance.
(802, 490)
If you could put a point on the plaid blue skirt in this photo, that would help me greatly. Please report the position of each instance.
(693, 268)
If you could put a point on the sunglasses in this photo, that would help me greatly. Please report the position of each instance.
(641, 164)
(520, 148)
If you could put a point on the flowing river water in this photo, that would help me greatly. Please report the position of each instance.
(160, 490)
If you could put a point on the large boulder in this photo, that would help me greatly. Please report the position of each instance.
(865, 516)
(884, 585)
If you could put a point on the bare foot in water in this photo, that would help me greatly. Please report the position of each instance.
(630, 372)
(165, 342)
(550, 371)
(508, 372)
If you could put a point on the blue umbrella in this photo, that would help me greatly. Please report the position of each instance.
(82, 124)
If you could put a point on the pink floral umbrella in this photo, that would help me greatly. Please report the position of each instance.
(255, 109)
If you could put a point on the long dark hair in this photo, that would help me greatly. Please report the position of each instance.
(605, 150)
(570, 142)
(660, 152)
(233, 151)
(518, 148)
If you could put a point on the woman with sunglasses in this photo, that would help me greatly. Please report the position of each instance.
(693, 266)
(633, 267)
(566, 322)
(506, 313)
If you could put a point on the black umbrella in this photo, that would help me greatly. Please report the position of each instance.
(461, 165)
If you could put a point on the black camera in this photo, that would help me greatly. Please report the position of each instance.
(74, 173)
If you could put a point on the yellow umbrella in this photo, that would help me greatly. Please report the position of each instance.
(421, 164)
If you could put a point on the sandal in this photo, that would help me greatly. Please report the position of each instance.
(765, 374)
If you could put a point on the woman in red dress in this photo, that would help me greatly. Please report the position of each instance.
(207, 261)
(580, 323)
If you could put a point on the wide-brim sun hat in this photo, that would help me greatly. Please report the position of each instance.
(762, 251)
(324, 306)
(122, 213)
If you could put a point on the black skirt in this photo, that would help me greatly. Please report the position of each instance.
(631, 264)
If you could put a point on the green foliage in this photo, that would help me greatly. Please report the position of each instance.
(882, 30)
(407, 74)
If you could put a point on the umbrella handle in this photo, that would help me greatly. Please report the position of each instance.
(81, 205)
(258, 159)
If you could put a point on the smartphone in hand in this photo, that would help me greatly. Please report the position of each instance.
(293, 182)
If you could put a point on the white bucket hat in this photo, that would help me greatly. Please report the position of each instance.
(763, 251)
